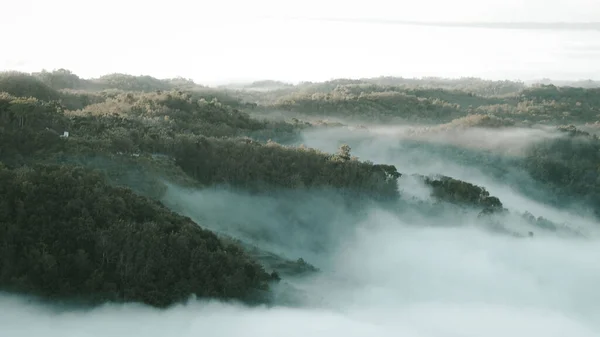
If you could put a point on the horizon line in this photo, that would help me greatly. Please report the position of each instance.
(566, 25)
(247, 81)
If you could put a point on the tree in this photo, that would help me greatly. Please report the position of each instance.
(344, 152)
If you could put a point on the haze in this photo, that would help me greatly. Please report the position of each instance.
(516, 255)
(384, 273)
(217, 42)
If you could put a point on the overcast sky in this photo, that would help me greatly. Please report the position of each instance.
(215, 41)
(455, 10)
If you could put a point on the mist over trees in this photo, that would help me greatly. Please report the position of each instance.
(67, 234)
(85, 166)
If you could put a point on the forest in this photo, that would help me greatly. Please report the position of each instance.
(86, 166)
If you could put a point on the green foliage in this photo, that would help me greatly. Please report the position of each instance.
(65, 233)
(25, 85)
(476, 86)
(368, 105)
(60, 79)
(175, 112)
(280, 266)
(56, 86)
(78, 99)
(131, 83)
(464, 193)
(569, 164)
(28, 127)
(255, 166)
(192, 133)
(432, 100)
(68, 233)
(478, 120)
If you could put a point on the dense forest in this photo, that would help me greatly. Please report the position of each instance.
(66, 233)
(85, 165)
(424, 102)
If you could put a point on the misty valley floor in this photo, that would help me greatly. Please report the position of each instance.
(390, 280)
(385, 273)
(385, 207)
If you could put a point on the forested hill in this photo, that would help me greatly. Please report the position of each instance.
(86, 162)
(66, 234)
(431, 101)
(70, 233)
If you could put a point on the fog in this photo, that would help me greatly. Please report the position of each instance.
(407, 269)
(510, 141)
(244, 45)
(485, 157)
(292, 224)
(391, 279)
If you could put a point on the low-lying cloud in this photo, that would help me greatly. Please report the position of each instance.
(385, 271)
(507, 140)
(391, 279)
(485, 157)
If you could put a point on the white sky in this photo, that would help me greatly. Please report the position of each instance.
(218, 41)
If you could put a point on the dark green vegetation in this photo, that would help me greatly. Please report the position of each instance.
(569, 166)
(66, 233)
(566, 167)
(206, 140)
(81, 236)
(283, 267)
(433, 101)
(463, 193)
(80, 216)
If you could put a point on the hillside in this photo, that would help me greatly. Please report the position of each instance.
(87, 164)
(67, 234)
(93, 236)
(432, 101)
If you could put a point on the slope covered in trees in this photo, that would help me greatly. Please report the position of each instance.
(94, 236)
(432, 101)
(191, 132)
(66, 234)
(570, 165)
(463, 193)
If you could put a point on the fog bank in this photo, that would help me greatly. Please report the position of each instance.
(484, 157)
(391, 279)
(405, 269)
